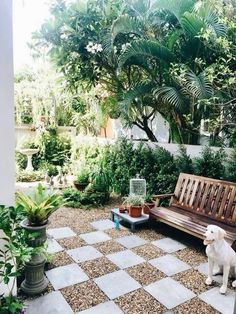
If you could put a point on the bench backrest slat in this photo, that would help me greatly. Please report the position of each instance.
(206, 196)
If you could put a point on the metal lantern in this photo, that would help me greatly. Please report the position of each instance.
(137, 186)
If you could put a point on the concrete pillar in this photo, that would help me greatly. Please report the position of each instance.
(7, 153)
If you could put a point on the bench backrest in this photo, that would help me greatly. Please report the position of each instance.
(207, 197)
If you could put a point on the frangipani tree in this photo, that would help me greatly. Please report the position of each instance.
(149, 56)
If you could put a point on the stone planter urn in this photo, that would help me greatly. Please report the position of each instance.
(35, 281)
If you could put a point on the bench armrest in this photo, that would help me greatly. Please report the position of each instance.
(157, 198)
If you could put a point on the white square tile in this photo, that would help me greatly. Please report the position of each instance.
(84, 253)
(54, 246)
(52, 303)
(131, 241)
(169, 264)
(104, 308)
(222, 303)
(169, 292)
(65, 276)
(95, 237)
(60, 233)
(125, 259)
(169, 245)
(116, 284)
(104, 224)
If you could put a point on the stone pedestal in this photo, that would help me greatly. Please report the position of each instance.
(35, 281)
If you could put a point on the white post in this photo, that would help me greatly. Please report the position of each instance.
(7, 141)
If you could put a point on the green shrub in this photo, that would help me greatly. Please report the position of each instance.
(77, 199)
(49, 168)
(210, 164)
(29, 176)
(55, 149)
(183, 161)
(231, 167)
(83, 176)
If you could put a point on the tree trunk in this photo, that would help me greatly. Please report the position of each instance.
(143, 125)
(151, 136)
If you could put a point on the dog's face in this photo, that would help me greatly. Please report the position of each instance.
(213, 233)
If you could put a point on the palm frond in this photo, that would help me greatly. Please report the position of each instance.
(137, 91)
(192, 24)
(175, 7)
(126, 24)
(212, 22)
(169, 95)
(147, 48)
(198, 86)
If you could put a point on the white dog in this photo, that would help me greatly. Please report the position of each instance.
(219, 253)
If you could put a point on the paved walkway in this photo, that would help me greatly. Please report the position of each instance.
(106, 271)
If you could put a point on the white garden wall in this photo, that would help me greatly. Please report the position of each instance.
(7, 162)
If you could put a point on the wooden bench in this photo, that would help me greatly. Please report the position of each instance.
(197, 202)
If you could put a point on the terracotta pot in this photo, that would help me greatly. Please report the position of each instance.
(147, 206)
(135, 211)
(80, 186)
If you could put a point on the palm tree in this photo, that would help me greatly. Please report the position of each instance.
(154, 52)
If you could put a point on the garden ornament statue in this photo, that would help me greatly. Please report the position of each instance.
(117, 223)
(221, 254)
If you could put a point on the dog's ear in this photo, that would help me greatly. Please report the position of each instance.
(221, 234)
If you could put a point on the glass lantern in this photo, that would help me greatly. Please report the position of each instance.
(137, 186)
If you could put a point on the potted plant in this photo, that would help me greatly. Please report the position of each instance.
(38, 205)
(148, 204)
(135, 205)
(82, 180)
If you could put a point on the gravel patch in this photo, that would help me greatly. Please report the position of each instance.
(148, 251)
(83, 296)
(109, 247)
(192, 280)
(82, 228)
(71, 243)
(139, 302)
(145, 273)
(191, 256)
(59, 259)
(194, 306)
(113, 233)
(98, 267)
(149, 234)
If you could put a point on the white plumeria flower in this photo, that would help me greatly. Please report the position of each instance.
(99, 48)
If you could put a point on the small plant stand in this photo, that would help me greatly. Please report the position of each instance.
(126, 217)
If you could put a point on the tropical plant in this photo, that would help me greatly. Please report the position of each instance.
(142, 56)
(39, 204)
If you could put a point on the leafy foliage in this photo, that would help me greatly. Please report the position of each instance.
(210, 164)
(14, 254)
(183, 161)
(28, 176)
(39, 204)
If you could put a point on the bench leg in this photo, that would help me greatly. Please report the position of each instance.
(132, 227)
